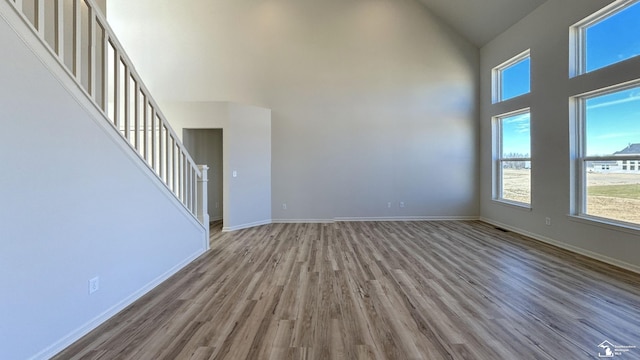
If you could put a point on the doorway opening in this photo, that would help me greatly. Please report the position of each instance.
(205, 147)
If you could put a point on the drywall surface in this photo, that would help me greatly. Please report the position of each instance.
(546, 33)
(246, 137)
(373, 102)
(76, 203)
(249, 144)
(205, 148)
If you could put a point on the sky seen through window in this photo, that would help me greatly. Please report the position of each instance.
(612, 120)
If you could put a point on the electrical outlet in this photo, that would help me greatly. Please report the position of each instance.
(389, 205)
(401, 204)
(284, 206)
(217, 205)
(547, 221)
(94, 285)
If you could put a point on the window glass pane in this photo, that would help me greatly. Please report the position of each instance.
(516, 137)
(613, 192)
(514, 165)
(615, 38)
(516, 181)
(613, 123)
(516, 79)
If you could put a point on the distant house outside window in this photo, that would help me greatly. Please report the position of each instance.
(606, 176)
(609, 153)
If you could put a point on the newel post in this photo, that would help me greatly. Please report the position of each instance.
(202, 210)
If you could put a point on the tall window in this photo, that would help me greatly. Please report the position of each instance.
(607, 142)
(607, 37)
(512, 78)
(610, 148)
(512, 148)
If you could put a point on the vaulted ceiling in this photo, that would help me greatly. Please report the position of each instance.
(480, 21)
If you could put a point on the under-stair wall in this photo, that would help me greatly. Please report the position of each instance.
(78, 201)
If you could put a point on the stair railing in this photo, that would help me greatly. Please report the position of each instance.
(79, 37)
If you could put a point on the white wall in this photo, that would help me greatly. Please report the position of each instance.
(75, 203)
(374, 101)
(205, 148)
(246, 137)
(546, 33)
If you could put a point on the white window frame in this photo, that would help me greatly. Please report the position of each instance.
(581, 159)
(496, 75)
(578, 38)
(498, 159)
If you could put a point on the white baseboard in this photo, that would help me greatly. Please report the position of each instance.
(344, 219)
(565, 246)
(408, 218)
(246, 226)
(356, 219)
(77, 334)
(303, 221)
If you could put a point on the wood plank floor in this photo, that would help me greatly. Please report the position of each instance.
(388, 290)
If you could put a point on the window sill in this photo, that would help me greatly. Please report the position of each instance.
(606, 224)
(513, 204)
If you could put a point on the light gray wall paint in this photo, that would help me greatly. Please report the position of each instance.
(373, 101)
(205, 148)
(546, 33)
(246, 132)
(75, 203)
(249, 145)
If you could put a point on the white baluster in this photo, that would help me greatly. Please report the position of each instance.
(183, 176)
(116, 88)
(146, 125)
(127, 103)
(174, 168)
(92, 62)
(104, 71)
(39, 17)
(77, 40)
(162, 140)
(136, 109)
(153, 138)
(59, 28)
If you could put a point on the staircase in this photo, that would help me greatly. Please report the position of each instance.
(77, 34)
(99, 200)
